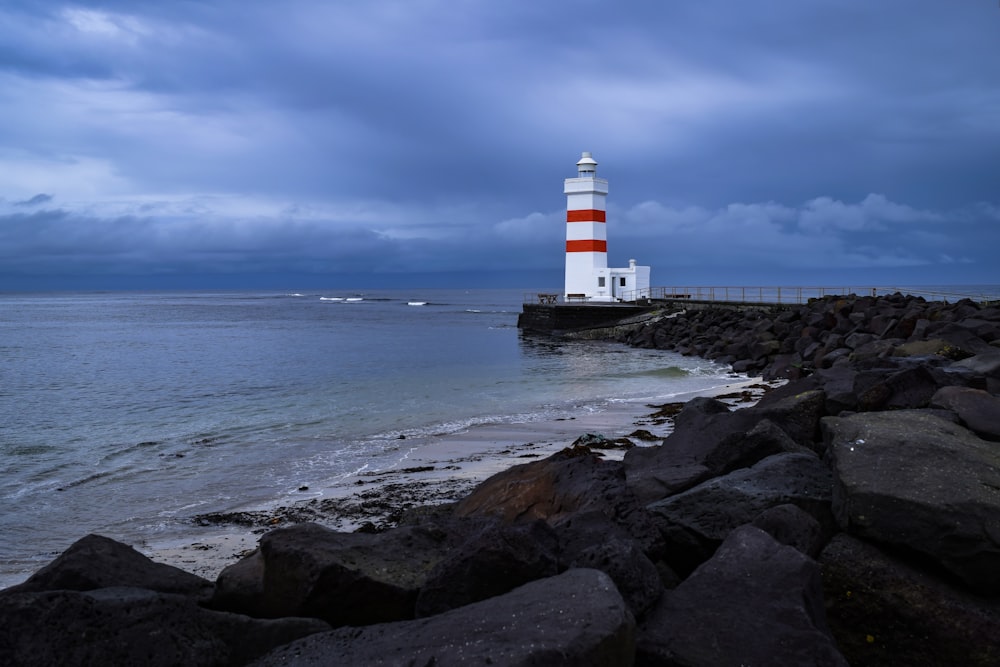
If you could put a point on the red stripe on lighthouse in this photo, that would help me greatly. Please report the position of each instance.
(585, 215)
(586, 246)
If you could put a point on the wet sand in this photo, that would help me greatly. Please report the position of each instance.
(437, 470)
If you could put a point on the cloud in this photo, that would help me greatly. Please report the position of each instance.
(229, 235)
(391, 135)
(874, 213)
(40, 198)
(821, 233)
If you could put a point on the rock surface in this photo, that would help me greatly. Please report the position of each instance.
(576, 618)
(708, 513)
(756, 602)
(886, 612)
(342, 578)
(978, 410)
(98, 562)
(133, 626)
(912, 480)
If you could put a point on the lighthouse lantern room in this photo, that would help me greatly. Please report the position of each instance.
(588, 277)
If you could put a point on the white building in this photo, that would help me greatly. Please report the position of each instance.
(588, 277)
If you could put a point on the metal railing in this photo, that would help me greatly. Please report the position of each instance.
(777, 295)
(766, 295)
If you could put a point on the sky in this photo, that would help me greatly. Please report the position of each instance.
(397, 143)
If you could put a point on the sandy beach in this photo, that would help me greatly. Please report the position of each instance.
(436, 470)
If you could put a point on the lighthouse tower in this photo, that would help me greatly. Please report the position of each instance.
(586, 235)
(588, 277)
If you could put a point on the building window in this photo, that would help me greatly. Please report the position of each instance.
(600, 281)
(622, 282)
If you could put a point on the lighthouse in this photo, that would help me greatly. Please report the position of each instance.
(588, 277)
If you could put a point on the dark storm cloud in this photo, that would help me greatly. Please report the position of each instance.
(433, 136)
(40, 198)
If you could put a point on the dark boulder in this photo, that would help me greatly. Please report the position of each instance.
(764, 438)
(978, 410)
(708, 440)
(798, 415)
(884, 612)
(914, 481)
(960, 341)
(569, 481)
(240, 587)
(636, 577)
(591, 539)
(756, 602)
(132, 626)
(699, 519)
(342, 578)
(554, 489)
(830, 357)
(787, 365)
(576, 618)
(875, 349)
(95, 562)
(791, 525)
(493, 560)
(985, 365)
(837, 385)
(895, 389)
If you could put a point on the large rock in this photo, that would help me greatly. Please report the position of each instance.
(708, 440)
(698, 520)
(977, 409)
(635, 576)
(132, 626)
(836, 385)
(913, 480)
(576, 618)
(95, 561)
(884, 612)
(495, 559)
(554, 489)
(342, 578)
(798, 415)
(895, 390)
(756, 602)
(791, 525)
(987, 364)
(569, 481)
(961, 342)
(240, 587)
(592, 540)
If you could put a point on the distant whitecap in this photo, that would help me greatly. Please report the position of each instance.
(416, 303)
(331, 298)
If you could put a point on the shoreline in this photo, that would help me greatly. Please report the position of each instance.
(440, 470)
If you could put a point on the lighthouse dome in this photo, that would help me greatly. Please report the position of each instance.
(586, 165)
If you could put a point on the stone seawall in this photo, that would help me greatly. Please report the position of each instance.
(557, 319)
(851, 516)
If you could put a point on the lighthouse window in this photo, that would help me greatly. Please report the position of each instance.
(621, 282)
(600, 281)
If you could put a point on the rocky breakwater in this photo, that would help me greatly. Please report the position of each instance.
(851, 516)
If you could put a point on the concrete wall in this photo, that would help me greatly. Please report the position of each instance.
(559, 319)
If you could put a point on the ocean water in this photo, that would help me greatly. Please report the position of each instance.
(128, 413)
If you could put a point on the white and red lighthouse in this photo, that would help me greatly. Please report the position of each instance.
(588, 277)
